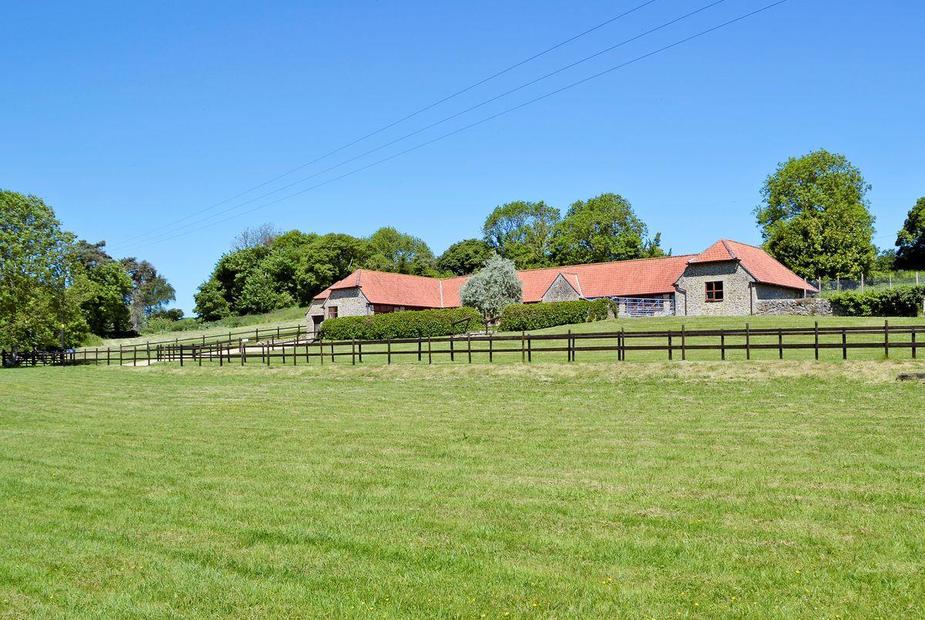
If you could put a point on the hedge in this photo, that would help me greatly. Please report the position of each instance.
(404, 324)
(523, 317)
(899, 301)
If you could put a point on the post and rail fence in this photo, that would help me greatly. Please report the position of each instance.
(674, 344)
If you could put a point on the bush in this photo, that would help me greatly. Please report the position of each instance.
(160, 324)
(525, 317)
(899, 301)
(406, 324)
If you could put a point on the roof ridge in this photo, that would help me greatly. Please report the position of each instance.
(610, 262)
(725, 243)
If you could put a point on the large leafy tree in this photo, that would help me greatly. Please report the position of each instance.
(38, 306)
(603, 228)
(522, 232)
(910, 242)
(492, 288)
(815, 216)
(150, 290)
(398, 252)
(464, 257)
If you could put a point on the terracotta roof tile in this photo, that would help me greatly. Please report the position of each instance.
(628, 278)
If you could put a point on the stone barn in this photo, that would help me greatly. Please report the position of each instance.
(728, 278)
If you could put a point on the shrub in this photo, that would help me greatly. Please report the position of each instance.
(406, 324)
(899, 301)
(525, 317)
(159, 324)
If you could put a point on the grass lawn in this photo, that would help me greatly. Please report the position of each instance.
(659, 490)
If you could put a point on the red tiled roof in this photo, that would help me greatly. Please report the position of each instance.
(766, 269)
(628, 278)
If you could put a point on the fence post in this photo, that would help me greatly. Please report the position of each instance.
(332, 352)
(353, 352)
(748, 342)
(469, 346)
(530, 348)
(780, 343)
(722, 344)
(670, 348)
(360, 350)
(523, 346)
(844, 344)
(430, 357)
(491, 348)
(568, 346)
(419, 348)
(913, 339)
(452, 353)
(683, 344)
(816, 339)
(107, 356)
(181, 356)
(886, 338)
(221, 358)
(320, 351)
(388, 350)
(242, 349)
(284, 353)
(622, 352)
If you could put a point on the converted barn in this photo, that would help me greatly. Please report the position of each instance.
(728, 278)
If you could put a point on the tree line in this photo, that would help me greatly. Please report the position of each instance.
(56, 289)
(266, 270)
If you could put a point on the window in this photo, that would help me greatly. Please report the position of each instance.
(715, 291)
(332, 312)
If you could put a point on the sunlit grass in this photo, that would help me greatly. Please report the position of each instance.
(758, 490)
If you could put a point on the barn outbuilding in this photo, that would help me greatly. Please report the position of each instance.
(729, 278)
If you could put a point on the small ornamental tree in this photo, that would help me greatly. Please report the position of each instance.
(493, 288)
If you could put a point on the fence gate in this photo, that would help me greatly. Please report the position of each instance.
(644, 306)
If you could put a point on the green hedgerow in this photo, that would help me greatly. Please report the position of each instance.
(523, 317)
(899, 301)
(405, 324)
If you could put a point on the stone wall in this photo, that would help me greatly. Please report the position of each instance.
(561, 290)
(737, 290)
(804, 306)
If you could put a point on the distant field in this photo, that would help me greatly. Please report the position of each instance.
(660, 490)
(287, 317)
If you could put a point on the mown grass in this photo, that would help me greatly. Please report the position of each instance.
(586, 490)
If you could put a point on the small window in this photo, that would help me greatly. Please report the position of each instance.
(715, 291)
(332, 312)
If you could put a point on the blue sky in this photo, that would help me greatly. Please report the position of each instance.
(128, 116)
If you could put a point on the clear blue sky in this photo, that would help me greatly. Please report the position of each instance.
(127, 116)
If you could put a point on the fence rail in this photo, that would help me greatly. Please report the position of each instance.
(672, 343)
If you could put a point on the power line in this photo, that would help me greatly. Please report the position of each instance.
(407, 117)
(489, 118)
(436, 123)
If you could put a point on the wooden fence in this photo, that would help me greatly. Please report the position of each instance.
(618, 345)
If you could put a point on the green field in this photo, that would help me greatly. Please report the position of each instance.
(786, 489)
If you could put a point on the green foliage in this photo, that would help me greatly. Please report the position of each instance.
(160, 324)
(211, 304)
(524, 317)
(604, 228)
(910, 242)
(522, 232)
(815, 217)
(899, 301)
(492, 288)
(464, 257)
(103, 289)
(150, 290)
(885, 262)
(405, 324)
(397, 252)
(260, 294)
(39, 307)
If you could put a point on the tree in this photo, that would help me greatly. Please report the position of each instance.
(103, 291)
(492, 288)
(260, 294)
(38, 306)
(211, 304)
(464, 257)
(264, 234)
(815, 217)
(910, 242)
(603, 228)
(522, 232)
(150, 290)
(398, 252)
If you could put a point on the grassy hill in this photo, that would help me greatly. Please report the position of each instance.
(639, 490)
